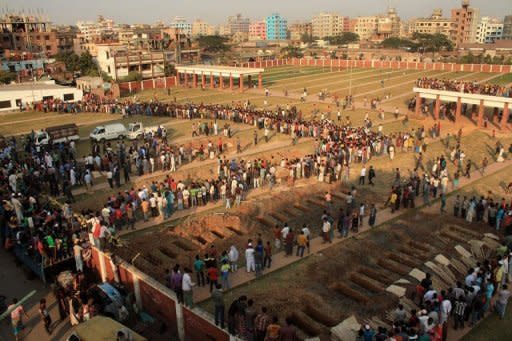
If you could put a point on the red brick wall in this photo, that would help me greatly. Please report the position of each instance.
(159, 304)
(196, 328)
(385, 64)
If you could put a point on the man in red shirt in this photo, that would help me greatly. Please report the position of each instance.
(213, 276)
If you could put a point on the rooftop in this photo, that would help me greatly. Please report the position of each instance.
(226, 70)
(31, 86)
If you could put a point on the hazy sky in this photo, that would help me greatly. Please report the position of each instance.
(216, 11)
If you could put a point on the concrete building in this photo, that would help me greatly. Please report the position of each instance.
(277, 27)
(489, 30)
(436, 23)
(21, 33)
(298, 29)
(13, 96)
(328, 25)
(219, 76)
(258, 30)
(507, 28)
(238, 23)
(202, 28)
(466, 21)
(118, 61)
(366, 27)
(181, 24)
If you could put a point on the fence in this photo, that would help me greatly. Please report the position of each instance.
(378, 64)
(159, 301)
(147, 84)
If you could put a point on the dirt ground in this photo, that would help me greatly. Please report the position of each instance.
(351, 277)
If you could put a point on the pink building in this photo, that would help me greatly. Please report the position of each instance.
(258, 30)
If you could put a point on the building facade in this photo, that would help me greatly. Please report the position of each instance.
(277, 27)
(202, 28)
(328, 25)
(507, 28)
(366, 27)
(489, 30)
(299, 29)
(435, 24)
(258, 30)
(238, 23)
(118, 61)
(466, 21)
(180, 24)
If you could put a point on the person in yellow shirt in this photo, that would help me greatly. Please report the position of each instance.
(145, 209)
(392, 201)
(302, 242)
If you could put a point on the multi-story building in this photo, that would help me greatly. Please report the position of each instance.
(489, 30)
(466, 21)
(202, 28)
(180, 24)
(298, 29)
(366, 27)
(258, 30)
(238, 23)
(277, 27)
(434, 24)
(118, 61)
(27, 33)
(507, 28)
(328, 25)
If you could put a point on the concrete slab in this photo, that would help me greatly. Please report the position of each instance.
(346, 330)
(417, 274)
(491, 243)
(462, 251)
(402, 281)
(441, 259)
(477, 248)
(396, 290)
(492, 236)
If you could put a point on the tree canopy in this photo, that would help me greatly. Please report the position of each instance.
(343, 39)
(213, 43)
(84, 63)
(396, 43)
(432, 42)
(7, 77)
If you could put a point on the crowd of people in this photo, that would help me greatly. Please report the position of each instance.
(483, 290)
(464, 87)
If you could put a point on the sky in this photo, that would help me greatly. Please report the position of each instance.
(216, 11)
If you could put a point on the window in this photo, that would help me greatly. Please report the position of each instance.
(69, 97)
(48, 47)
(47, 98)
(5, 104)
(46, 37)
(107, 55)
(108, 69)
(18, 102)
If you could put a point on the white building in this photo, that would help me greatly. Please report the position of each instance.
(489, 30)
(327, 25)
(13, 96)
(202, 28)
(181, 24)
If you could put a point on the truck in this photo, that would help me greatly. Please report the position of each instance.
(110, 131)
(137, 130)
(57, 134)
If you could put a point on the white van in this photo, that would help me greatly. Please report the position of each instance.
(109, 132)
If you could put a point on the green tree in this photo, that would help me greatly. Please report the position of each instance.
(213, 44)
(432, 42)
(86, 65)
(132, 76)
(307, 38)
(343, 39)
(396, 43)
(169, 70)
(292, 52)
(7, 77)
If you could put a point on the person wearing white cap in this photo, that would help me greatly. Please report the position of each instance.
(249, 258)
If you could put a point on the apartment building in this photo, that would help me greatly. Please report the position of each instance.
(466, 21)
(298, 29)
(238, 23)
(258, 30)
(118, 61)
(202, 28)
(277, 27)
(180, 24)
(328, 24)
(489, 30)
(365, 27)
(434, 24)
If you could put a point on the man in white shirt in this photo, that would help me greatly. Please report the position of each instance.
(362, 175)
(186, 286)
(249, 258)
(326, 228)
(446, 308)
(284, 231)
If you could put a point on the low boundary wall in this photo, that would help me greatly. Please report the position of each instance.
(147, 84)
(378, 64)
(159, 301)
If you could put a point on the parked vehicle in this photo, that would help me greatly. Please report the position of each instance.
(137, 130)
(57, 134)
(109, 132)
